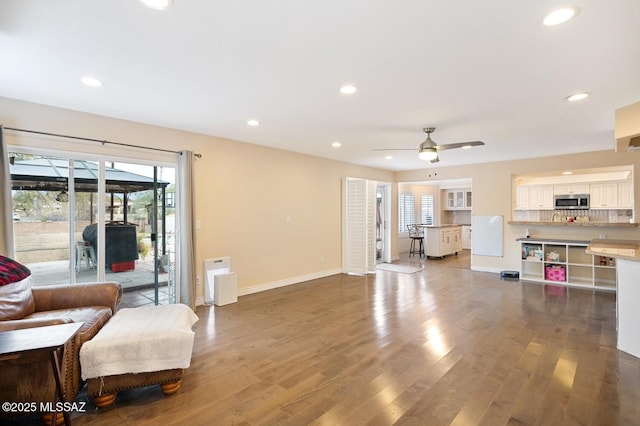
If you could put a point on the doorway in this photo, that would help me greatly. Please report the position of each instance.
(383, 215)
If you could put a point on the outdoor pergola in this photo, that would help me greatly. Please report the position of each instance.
(50, 174)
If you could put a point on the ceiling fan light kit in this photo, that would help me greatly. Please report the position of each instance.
(428, 149)
(428, 154)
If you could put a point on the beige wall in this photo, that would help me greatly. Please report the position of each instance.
(492, 192)
(243, 192)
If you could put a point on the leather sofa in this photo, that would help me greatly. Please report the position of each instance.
(29, 378)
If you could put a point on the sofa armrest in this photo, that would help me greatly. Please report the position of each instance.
(31, 323)
(49, 298)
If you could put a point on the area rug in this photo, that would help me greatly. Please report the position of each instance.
(405, 269)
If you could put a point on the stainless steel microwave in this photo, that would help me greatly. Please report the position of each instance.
(571, 202)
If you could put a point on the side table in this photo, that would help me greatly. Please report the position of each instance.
(50, 339)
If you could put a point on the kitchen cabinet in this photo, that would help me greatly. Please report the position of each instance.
(611, 195)
(458, 199)
(534, 197)
(541, 197)
(566, 262)
(466, 237)
(522, 198)
(575, 188)
(468, 199)
(442, 241)
(625, 195)
(603, 195)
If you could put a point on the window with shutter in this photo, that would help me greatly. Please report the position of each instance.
(406, 212)
(427, 209)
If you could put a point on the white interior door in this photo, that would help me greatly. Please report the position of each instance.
(358, 226)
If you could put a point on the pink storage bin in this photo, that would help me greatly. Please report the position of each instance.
(555, 273)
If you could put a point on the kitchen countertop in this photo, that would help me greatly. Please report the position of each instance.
(622, 249)
(596, 224)
(554, 240)
(627, 255)
(444, 225)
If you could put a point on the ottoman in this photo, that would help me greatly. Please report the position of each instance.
(138, 347)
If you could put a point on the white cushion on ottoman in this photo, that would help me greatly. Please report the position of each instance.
(138, 340)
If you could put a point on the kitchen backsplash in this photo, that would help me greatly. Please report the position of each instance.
(460, 217)
(599, 216)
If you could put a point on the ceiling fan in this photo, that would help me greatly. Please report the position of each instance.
(428, 149)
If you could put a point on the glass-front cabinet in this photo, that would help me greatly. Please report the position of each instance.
(458, 199)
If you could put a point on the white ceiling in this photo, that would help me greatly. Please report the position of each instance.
(476, 70)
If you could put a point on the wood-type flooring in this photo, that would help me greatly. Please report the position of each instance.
(443, 346)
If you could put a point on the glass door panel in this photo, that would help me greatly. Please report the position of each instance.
(43, 198)
(140, 231)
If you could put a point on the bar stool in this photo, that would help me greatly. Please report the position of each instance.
(417, 235)
(85, 251)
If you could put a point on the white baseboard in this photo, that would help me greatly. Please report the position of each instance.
(482, 269)
(287, 281)
(280, 283)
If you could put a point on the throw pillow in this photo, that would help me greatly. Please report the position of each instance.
(16, 300)
(12, 271)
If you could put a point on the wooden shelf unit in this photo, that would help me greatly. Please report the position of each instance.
(570, 264)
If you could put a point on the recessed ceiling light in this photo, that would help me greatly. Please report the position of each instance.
(389, 157)
(336, 144)
(90, 81)
(348, 89)
(253, 123)
(560, 16)
(577, 96)
(466, 146)
(157, 4)
(567, 173)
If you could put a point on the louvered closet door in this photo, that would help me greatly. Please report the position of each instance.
(358, 225)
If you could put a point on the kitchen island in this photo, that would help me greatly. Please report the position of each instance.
(627, 255)
(442, 240)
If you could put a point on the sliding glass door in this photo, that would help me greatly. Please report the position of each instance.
(82, 220)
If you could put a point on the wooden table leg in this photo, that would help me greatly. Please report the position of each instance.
(55, 364)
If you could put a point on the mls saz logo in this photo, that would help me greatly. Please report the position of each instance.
(60, 406)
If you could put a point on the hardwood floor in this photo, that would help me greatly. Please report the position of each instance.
(442, 346)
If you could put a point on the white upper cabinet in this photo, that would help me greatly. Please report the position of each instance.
(458, 199)
(534, 197)
(575, 188)
(468, 199)
(541, 197)
(603, 195)
(522, 198)
(611, 195)
(625, 195)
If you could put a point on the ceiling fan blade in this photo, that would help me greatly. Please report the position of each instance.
(458, 145)
(394, 149)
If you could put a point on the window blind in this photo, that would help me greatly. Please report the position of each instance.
(406, 211)
(427, 209)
